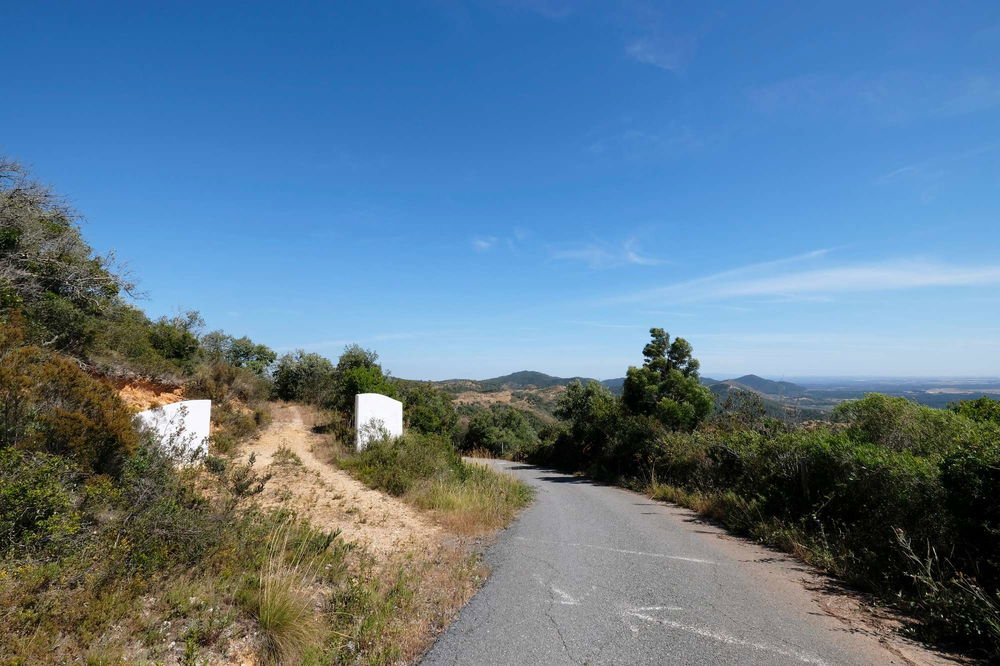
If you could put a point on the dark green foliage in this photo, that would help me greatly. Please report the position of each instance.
(845, 502)
(503, 431)
(396, 466)
(47, 403)
(899, 498)
(903, 425)
(313, 379)
(427, 409)
(357, 372)
(970, 478)
(980, 410)
(352, 381)
(46, 268)
(176, 339)
(237, 352)
(304, 377)
(593, 415)
(38, 498)
(667, 386)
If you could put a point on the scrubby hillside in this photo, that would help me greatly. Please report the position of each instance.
(895, 497)
(119, 547)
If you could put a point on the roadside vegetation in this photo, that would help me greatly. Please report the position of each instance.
(112, 552)
(897, 498)
(423, 467)
(426, 471)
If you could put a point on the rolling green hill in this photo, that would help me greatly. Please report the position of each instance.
(766, 386)
(515, 381)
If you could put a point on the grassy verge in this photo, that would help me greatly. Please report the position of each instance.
(426, 471)
(161, 566)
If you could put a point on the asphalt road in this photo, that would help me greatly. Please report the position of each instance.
(591, 574)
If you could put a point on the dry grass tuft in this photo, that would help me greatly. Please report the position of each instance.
(481, 501)
(284, 608)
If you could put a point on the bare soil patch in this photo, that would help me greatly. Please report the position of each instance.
(142, 394)
(329, 497)
(444, 570)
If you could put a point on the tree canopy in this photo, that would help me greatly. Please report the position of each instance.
(667, 385)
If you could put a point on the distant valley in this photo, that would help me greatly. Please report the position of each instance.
(805, 399)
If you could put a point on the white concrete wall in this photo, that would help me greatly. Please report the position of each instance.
(183, 426)
(372, 412)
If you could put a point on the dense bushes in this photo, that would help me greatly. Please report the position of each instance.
(901, 425)
(427, 471)
(502, 431)
(850, 504)
(427, 409)
(397, 465)
(128, 570)
(47, 403)
(312, 379)
(898, 498)
(37, 500)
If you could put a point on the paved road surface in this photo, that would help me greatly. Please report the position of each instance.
(592, 574)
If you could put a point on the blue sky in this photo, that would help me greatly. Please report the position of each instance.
(473, 188)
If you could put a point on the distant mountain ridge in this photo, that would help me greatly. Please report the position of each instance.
(526, 379)
(523, 379)
(767, 386)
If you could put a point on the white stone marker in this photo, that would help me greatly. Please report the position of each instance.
(184, 426)
(373, 413)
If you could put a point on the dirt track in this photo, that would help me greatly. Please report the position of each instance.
(329, 497)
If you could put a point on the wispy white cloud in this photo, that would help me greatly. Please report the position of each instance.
(484, 243)
(763, 280)
(970, 95)
(669, 52)
(632, 254)
(888, 96)
(634, 144)
(592, 255)
(512, 241)
(605, 255)
(906, 274)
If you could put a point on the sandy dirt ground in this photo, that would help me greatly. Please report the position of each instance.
(329, 497)
(142, 394)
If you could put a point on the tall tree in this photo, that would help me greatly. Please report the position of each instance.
(667, 385)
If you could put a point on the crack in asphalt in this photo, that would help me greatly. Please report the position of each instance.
(626, 601)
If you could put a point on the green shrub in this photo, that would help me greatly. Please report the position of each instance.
(304, 377)
(981, 410)
(396, 465)
(176, 339)
(427, 471)
(38, 499)
(903, 425)
(503, 431)
(47, 403)
(428, 410)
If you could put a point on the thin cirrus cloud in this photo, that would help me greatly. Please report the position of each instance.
(886, 96)
(668, 52)
(512, 242)
(602, 255)
(484, 243)
(773, 279)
